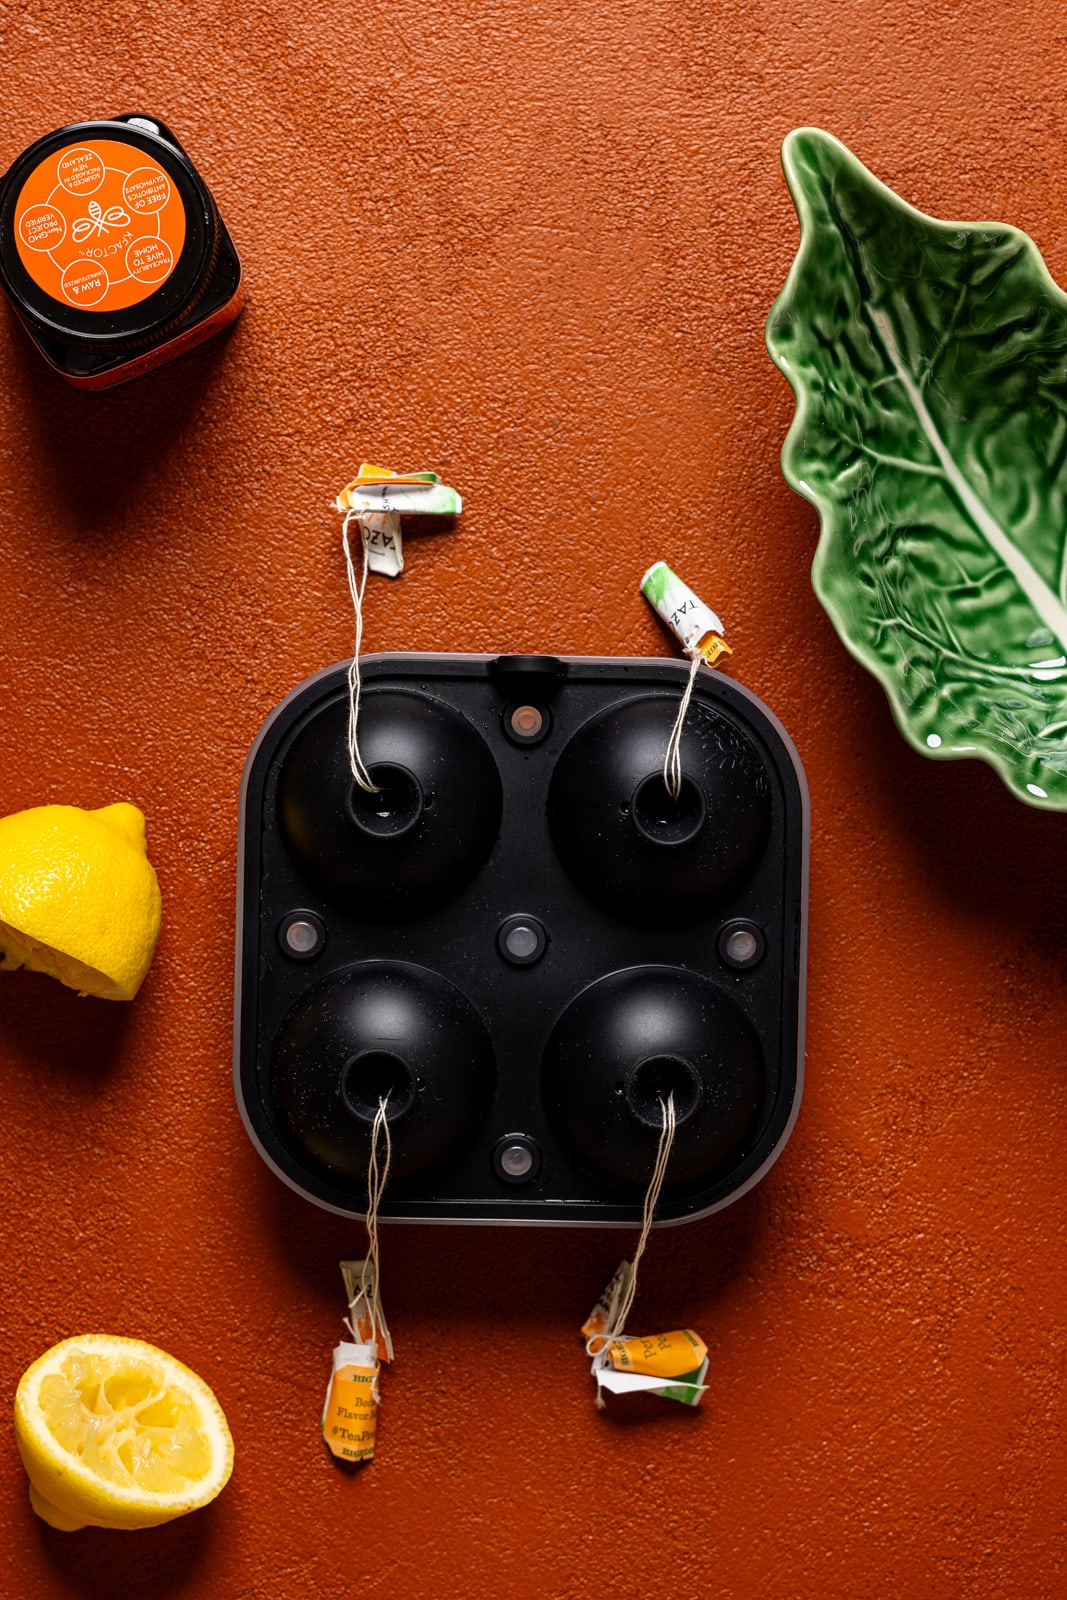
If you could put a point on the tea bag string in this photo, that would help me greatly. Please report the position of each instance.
(377, 1176)
(618, 1313)
(356, 588)
(672, 761)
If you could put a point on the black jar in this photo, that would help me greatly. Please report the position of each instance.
(112, 250)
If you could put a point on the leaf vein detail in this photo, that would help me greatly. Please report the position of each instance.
(1044, 600)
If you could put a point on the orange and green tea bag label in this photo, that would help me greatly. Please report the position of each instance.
(661, 1355)
(694, 625)
(377, 498)
(688, 1387)
(670, 1365)
(99, 225)
(406, 493)
(350, 1415)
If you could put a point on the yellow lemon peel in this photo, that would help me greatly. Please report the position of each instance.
(115, 1433)
(79, 898)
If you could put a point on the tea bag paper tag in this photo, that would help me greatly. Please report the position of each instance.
(689, 1387)
(414, 499)
(366, 1319)
(350, 1415)
(670, 1365)
(384, 542)
(694, 624)
(377, 498)
(420, 494)
(699, 632)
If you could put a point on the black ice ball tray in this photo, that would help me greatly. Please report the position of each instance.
(521, 942)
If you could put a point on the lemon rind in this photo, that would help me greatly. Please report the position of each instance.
(49, 863)
(90, 1500)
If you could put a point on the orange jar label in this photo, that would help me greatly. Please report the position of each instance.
(99, 225)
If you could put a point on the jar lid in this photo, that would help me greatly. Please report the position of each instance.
(107, 232)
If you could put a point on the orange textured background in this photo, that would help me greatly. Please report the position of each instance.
(532, 246)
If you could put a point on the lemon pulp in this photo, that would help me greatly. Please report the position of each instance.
(128, 1427)
(116, 1433)
(16, 951)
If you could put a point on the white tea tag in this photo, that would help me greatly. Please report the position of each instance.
(384, 542)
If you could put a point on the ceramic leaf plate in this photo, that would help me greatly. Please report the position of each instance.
(929, 363)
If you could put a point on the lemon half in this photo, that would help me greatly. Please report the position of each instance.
(115, 1433)
(79, 898)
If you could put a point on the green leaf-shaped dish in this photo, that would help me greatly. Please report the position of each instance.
(929, 363)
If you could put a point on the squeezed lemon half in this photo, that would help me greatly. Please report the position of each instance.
(79, 898)
(115, 1433)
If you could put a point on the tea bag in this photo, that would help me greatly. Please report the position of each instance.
(695, 626)
(350, 1415)
(377, 498)
(699, 632)
(672, 1365)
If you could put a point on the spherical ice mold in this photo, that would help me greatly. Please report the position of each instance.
(520, 940)
(630, 845)
(373, 1032)
(629, 1041)
(431, 824)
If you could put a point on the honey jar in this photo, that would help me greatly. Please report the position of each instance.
(112, 250)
